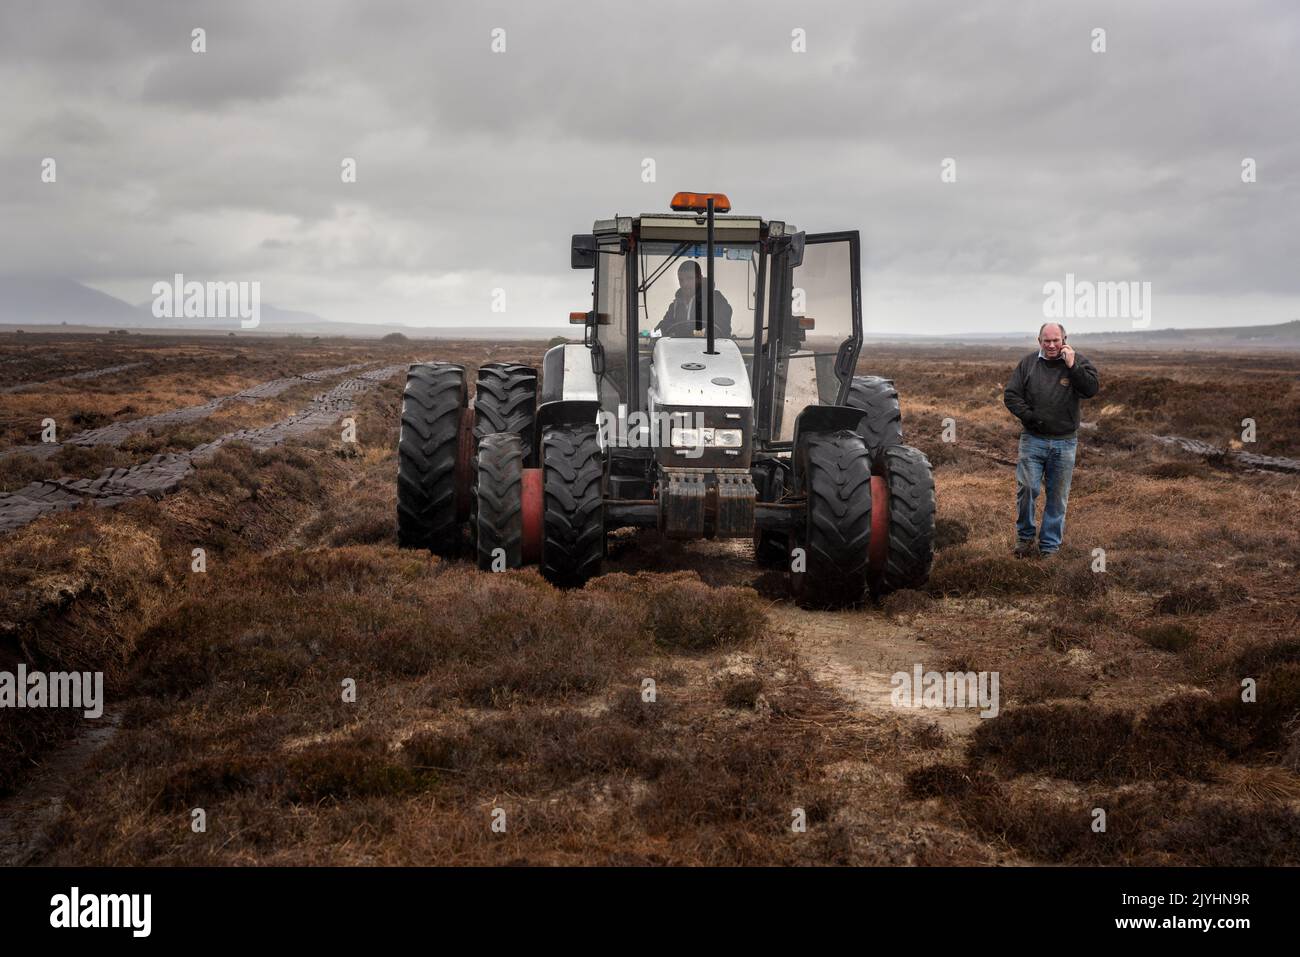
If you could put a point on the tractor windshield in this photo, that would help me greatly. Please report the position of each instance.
(673, 292)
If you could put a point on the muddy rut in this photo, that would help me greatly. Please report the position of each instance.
(163, 473)
(75, 377)
(118, 432)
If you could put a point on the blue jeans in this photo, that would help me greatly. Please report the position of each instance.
(1045, 463)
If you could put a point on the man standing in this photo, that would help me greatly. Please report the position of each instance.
(1044, 393)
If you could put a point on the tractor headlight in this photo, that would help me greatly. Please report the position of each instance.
(685, 438)
(711, 438)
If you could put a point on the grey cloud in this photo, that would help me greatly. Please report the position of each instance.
(1123, 165)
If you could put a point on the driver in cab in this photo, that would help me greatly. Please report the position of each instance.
(686, 317)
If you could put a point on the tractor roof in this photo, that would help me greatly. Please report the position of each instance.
(689, 226)
(689, 221)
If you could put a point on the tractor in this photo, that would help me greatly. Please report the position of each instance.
(712, 395)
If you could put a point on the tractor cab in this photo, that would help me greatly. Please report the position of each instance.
(784, 302)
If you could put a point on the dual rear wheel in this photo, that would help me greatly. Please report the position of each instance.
(869, 523)
(463, 465)
(438, 483)
(572, 531)
(870, 514)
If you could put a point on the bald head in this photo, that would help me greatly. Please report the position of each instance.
(1051, 337)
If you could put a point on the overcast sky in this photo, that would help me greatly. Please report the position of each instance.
(474, 167)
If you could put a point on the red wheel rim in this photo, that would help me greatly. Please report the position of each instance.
(464, 461)
(878, 544)
(532, 503)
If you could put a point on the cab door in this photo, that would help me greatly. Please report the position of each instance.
(817, 326)
(608, 336)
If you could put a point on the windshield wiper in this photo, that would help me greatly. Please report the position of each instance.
(662, 267)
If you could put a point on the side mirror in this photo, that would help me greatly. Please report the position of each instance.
(582, 252)
(796, 248)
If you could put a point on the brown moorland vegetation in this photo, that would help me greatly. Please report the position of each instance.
(1121, 689)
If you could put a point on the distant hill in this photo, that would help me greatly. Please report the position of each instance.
(35, 302)
(1282, 335)
(26, 303)
(46, 301)
(58, 301)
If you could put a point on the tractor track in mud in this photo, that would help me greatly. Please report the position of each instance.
(118, 432)
(1247, 460)
(74, 377)
(163, 473)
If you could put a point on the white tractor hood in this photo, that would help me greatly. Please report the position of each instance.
(683, 375)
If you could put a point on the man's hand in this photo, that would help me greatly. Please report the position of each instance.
(1067, 353)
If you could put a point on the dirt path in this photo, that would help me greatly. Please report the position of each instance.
(858, 652)
(26, 816)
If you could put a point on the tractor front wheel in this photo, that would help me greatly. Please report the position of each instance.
(837, 529)
(573, 524)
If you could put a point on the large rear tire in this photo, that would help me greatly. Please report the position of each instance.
(883, 424)
(506, 401)
(429, 451)
(837, 530)
(573, 525)
(910, 481)
(499, 519)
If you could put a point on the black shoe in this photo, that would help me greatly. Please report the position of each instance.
(1024, 548)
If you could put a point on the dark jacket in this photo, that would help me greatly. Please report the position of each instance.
(1044, 394)
(679, 320)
